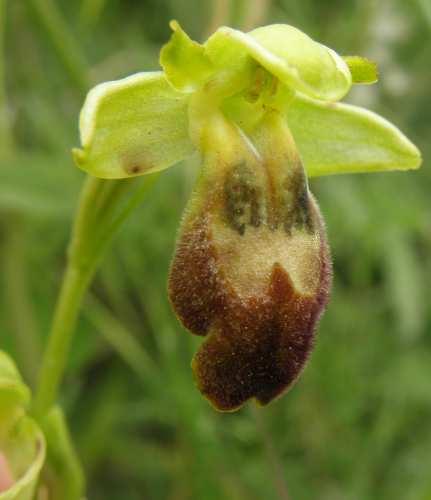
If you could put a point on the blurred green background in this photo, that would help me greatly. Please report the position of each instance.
(357, 425)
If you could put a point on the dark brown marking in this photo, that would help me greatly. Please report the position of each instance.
(242, 198)
(285, 204)
(295, 204)
(134, 169)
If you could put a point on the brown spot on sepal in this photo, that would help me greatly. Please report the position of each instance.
(133, 169)
(136, 163)
(256, 347)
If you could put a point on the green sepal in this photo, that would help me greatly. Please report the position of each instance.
(133, 126)
(362, 69)
(25, 450)
(184, 61)
(229, 56)
(341, 138)
(286, 52)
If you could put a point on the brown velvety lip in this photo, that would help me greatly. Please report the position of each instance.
(254, 348)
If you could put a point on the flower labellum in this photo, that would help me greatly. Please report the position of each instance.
(252, 268)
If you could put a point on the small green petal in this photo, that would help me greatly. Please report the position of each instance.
(133, 126)
(25, 451)
(184, 61)
(287, 53)
(340, 138)
(362, 69)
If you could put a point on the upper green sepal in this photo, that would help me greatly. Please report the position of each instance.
(230, 55)
(341, 138)
(294, 58)
(133, 126)
(362, 69)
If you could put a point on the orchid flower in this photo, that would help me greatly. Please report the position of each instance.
(252, 268)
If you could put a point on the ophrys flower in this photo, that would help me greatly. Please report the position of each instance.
(252, 269)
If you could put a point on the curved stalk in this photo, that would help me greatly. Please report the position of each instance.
(98, 219)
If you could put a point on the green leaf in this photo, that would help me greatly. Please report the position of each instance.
(25, 452)
(287, 53)
(133, 126)
(184, 61)
(362, 69)
(340, 138)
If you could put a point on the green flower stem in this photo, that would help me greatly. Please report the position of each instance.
(75, 283)
(100, 214)
(134, 200)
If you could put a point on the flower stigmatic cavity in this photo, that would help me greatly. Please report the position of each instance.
(252, 269)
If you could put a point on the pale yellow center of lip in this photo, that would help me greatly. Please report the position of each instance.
(247, 261)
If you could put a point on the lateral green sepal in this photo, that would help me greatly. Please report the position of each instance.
(341, 138)
(133, 126)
